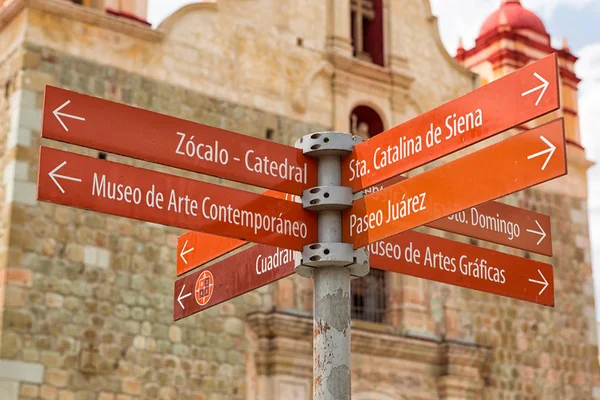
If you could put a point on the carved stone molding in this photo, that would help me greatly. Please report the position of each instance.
(86, 15)
(462, 370)
(300, 98)
(402, 77)
(284, 344)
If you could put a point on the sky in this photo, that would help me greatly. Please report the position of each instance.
(577, 20)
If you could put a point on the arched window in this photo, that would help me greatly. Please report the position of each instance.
(368, 296)
(366, 21)
(365, 122)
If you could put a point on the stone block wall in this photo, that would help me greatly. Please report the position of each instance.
(88, 302)
(541, 352)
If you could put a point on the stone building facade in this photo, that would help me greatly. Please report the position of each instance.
(86, 299)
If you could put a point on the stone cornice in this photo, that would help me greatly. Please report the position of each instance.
(576, 157)
(86, 15)
(461, 355)
(364, 73)
(285, 348)
(279, 324)
(367, 70)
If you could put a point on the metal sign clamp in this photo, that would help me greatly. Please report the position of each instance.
(327, 200)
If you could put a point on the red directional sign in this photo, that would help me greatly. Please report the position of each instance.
(410, 253)
(116, 128)
(442, 260)
(514, 164)
(226, 279)
(84, 182)
(503, 224)
(526, 94)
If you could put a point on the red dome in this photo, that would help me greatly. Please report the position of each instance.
(511, 13)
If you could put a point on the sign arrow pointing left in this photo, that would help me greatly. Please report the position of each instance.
(184, 252)
(58, 114)
(180, 297)
(53, 175)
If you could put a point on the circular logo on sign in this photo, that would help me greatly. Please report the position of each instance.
(204, 288)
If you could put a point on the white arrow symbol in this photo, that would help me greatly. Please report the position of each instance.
(184, 252)
(550, 150)
(543, 86)
(541, 232)
(58, 114)
(53, 175)
(545, 283)
(180, 297)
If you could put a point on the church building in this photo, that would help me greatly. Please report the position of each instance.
(86, 299)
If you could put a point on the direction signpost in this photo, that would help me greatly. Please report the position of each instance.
(197, 248)
(129, 131)
(442, 260)
(514, 164)
(492, 221)
(503, 224)
(411, 253)
(327, 236)
(500, 105)
(226, 279)
(112, 188)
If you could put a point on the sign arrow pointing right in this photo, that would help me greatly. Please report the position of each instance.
(180, 297)
(58, 114)
(542, 233)
(542, 87)
(184, 252)
(545, 282)
(551, 148)
(53, 175)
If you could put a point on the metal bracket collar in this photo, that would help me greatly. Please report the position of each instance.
(328, 144)
(320, 255)
(327, 198)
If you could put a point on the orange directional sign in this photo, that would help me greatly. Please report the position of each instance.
(84, 182)
(197, 248)
(447, 261)
(528, 93)
(514, 164)
(494, 222)
(116, 128)
(226, 279)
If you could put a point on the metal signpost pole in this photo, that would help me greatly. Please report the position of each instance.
(331, 264)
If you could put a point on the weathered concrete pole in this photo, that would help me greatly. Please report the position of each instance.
(331, 264)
